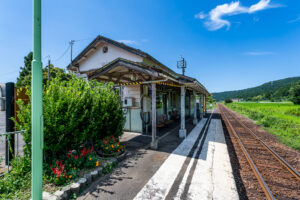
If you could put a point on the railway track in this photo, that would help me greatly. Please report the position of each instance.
(278, 179)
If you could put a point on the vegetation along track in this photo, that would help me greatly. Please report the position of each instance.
(277, 178)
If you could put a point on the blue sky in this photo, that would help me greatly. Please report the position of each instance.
(228, 44)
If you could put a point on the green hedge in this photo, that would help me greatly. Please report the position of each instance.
(76, 113)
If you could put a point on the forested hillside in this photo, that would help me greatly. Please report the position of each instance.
(274, 90)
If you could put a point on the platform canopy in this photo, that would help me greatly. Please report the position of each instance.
(122, 71)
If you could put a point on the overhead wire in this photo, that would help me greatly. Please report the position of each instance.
(9, 72)
(83, 39)
(63, 54)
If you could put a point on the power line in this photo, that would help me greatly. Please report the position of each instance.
(64, 53)
(82, 39)
(1, 75)
(69, 46)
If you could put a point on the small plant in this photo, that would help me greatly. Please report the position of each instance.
(15, 185)
(111, 146)
(91, 161)
(69, 166)
(60, 175)
(73, 196)
(107, 169)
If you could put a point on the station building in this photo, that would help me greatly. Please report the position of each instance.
(152, 94)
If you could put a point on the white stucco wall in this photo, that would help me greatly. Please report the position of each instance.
(98, 58)
(133, 119)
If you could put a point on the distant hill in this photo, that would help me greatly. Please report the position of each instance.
(271, 90)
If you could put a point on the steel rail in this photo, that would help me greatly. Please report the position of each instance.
(259, 177)
(276, 155)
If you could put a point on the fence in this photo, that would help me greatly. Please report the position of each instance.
(11, 140)
(8, 150)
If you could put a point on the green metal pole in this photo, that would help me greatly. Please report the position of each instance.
(37, 106)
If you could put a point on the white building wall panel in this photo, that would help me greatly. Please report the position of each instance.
(99, 58)
(132, 91)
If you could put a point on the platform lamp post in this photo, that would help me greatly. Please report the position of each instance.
(37, 106)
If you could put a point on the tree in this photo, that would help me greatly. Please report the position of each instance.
(228, 101)
(209, 99)
(295, 93)
(55, 72)
(258, 98)
(24, 78)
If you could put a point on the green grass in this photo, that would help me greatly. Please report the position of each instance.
(280, 119)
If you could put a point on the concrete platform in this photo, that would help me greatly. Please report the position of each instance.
(139, 166)
(205, 176)
(213, 178)
(197, 167)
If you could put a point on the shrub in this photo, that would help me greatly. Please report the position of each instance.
(76, 113)
(228, 101)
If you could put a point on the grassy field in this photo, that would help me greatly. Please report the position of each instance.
(280, 119)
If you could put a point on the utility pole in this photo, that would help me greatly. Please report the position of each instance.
(49, 71)
(181, 64)
(37, 120)
(71, 45)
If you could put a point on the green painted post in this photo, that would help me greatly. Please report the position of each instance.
(37, 106)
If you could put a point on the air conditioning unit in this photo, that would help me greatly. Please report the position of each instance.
(128, 102)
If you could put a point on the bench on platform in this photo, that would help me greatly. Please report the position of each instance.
(163, 121)
(174, 115)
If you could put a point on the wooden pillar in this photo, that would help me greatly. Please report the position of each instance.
(200, 106)
(205, 105)
(182, 131)
(169, 103)
(154, 142)
(195, 120)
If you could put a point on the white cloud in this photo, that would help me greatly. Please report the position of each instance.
(261, 5)
(145, 40)
(258, 53)
(215, 20)
(200, 15)
(294, 20)
(127, 41)
(256, 19)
